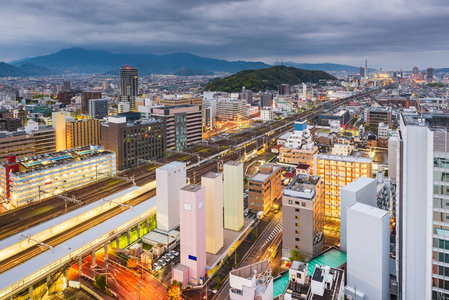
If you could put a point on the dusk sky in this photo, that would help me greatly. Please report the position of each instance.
(391, 34)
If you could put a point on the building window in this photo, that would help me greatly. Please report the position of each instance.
(297, 239)
(296, 202)
(297, 224)
(303, 204)
(290, 201)
(187, 206)
(297, 217)
(296, 209)
(297, 231)
(297, 247)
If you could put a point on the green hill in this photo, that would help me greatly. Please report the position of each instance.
(265, 79)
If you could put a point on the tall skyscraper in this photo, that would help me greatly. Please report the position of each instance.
(213, 184)
(233, 195)
(422, 224)
(129, 86)
(192, 213)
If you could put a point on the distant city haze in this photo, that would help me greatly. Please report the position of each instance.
(392, 35)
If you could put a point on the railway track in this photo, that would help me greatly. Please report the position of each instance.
(31, 252)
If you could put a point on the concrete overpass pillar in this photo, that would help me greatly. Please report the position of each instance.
(117, 241)
(66, 279)
(93, 258)
(48, 283)
(128, 233)
(80, 267)
(106, 254)
(138, 231)
(30, 292)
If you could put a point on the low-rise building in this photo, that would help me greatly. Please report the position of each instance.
(36, 177)
(342, 149)
(252, 282)
(325, 283)
(264, 188)
(302, 216)
(383, 130)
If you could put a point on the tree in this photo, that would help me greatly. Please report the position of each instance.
(217, 281)
(295, 255)
(100, 280)
(174, 290)
(131, 263)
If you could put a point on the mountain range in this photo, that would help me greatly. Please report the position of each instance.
(266, 79)
(79, 60)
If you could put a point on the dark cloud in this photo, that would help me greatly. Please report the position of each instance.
(390, 33)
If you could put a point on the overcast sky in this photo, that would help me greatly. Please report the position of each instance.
(391, 34)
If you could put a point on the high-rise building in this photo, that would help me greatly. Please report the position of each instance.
(247, 95)
(422, 225)
(183, 125)
(59, 125)
(133, 141)
(192, 215)
(129, 86)
(284, 89)
(368, 253)
(213, 184)
(362, 190)
(170, 178)
(264, 188)
(415, 72)
(233, 195)
(302, 216)
(98, 108)
(266, 100)
(85, 97)
(336, 172)
(82, 133)
(430, 72)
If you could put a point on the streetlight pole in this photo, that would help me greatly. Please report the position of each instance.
(138, 285)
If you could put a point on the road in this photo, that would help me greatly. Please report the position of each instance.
(262, 250)
(121, 280)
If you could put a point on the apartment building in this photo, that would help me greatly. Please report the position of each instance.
(336, 172)
(264, 188)
(302, 216)
(80, 133)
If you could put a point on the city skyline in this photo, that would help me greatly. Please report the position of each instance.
(391, 35)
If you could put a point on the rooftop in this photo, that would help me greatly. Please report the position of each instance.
(302, 187)
(211, 175)
(192, 188)
(358, 184)
(233, 163)
(365, 160)
(262, 177)
(52, 160)
(369, 210)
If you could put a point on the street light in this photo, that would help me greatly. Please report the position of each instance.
(138, 285)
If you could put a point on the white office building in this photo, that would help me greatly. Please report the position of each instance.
(170, 179)
(368, 252)
(422, 240)
(252, 282)
(233, 195)
(363, 190)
